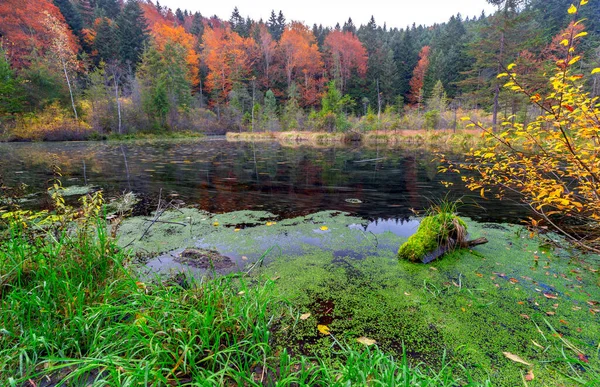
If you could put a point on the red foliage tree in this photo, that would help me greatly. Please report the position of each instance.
(416, 82)
(301, 60)
(22, 28)
(345, 53)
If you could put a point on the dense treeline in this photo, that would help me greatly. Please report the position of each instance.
(68, 66)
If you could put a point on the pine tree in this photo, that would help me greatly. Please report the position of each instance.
(107, 41)
(71, 15)
(86, 11)
(272, 26)
(438, 100)
(238, 24)
(349, 26)
(180, 16)
(133, 33)
(197, 27)
(111, 8)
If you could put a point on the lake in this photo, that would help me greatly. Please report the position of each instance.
(218, 176)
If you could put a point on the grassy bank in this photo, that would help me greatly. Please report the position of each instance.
(72, 312)
(443, 138)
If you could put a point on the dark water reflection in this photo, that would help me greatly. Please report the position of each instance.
(219, 176)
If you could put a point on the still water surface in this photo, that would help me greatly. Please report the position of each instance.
(219, 176)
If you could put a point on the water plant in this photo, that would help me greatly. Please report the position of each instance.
(440, 231)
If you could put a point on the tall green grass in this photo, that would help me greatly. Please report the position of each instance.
(73, 314)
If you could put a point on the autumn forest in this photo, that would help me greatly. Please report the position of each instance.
(84, 68)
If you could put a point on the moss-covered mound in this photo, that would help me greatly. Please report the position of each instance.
(443, 231)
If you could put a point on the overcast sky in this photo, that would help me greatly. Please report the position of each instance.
(396, 13)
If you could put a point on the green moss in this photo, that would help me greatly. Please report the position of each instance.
(434, 231)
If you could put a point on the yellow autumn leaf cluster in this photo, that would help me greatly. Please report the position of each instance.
(552, 162)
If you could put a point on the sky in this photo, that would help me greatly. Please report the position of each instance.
(395, 13)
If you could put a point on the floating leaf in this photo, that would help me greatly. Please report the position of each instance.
(304, 316)
(324, 329)
(366, 341)
(324, 228)
(515, 358)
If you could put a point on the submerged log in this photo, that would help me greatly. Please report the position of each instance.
(437, 234)
(452, 246)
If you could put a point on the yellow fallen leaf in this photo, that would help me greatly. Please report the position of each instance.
(216, 224)
(237, 230)
(244, 258)
(572, 9)
(241, 293)
(515, 358)
(324, 329)
(366, 341)
(304, 316)
(324, 228)
(596, 70)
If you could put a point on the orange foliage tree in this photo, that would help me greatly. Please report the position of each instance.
(228, 58)
(23, 28)
(345, 53)
(301, 60)
(416, 82)
(164, 34)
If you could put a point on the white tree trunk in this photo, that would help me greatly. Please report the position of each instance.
(64, 65)
(117, 99)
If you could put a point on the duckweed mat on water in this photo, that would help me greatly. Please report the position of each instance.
(516, 295)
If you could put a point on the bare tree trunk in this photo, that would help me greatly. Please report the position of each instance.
(253, 96)
(116, 83)
(64, 65)
(378, 101)
(497, 93)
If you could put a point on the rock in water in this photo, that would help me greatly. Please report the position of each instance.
(204, 259)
